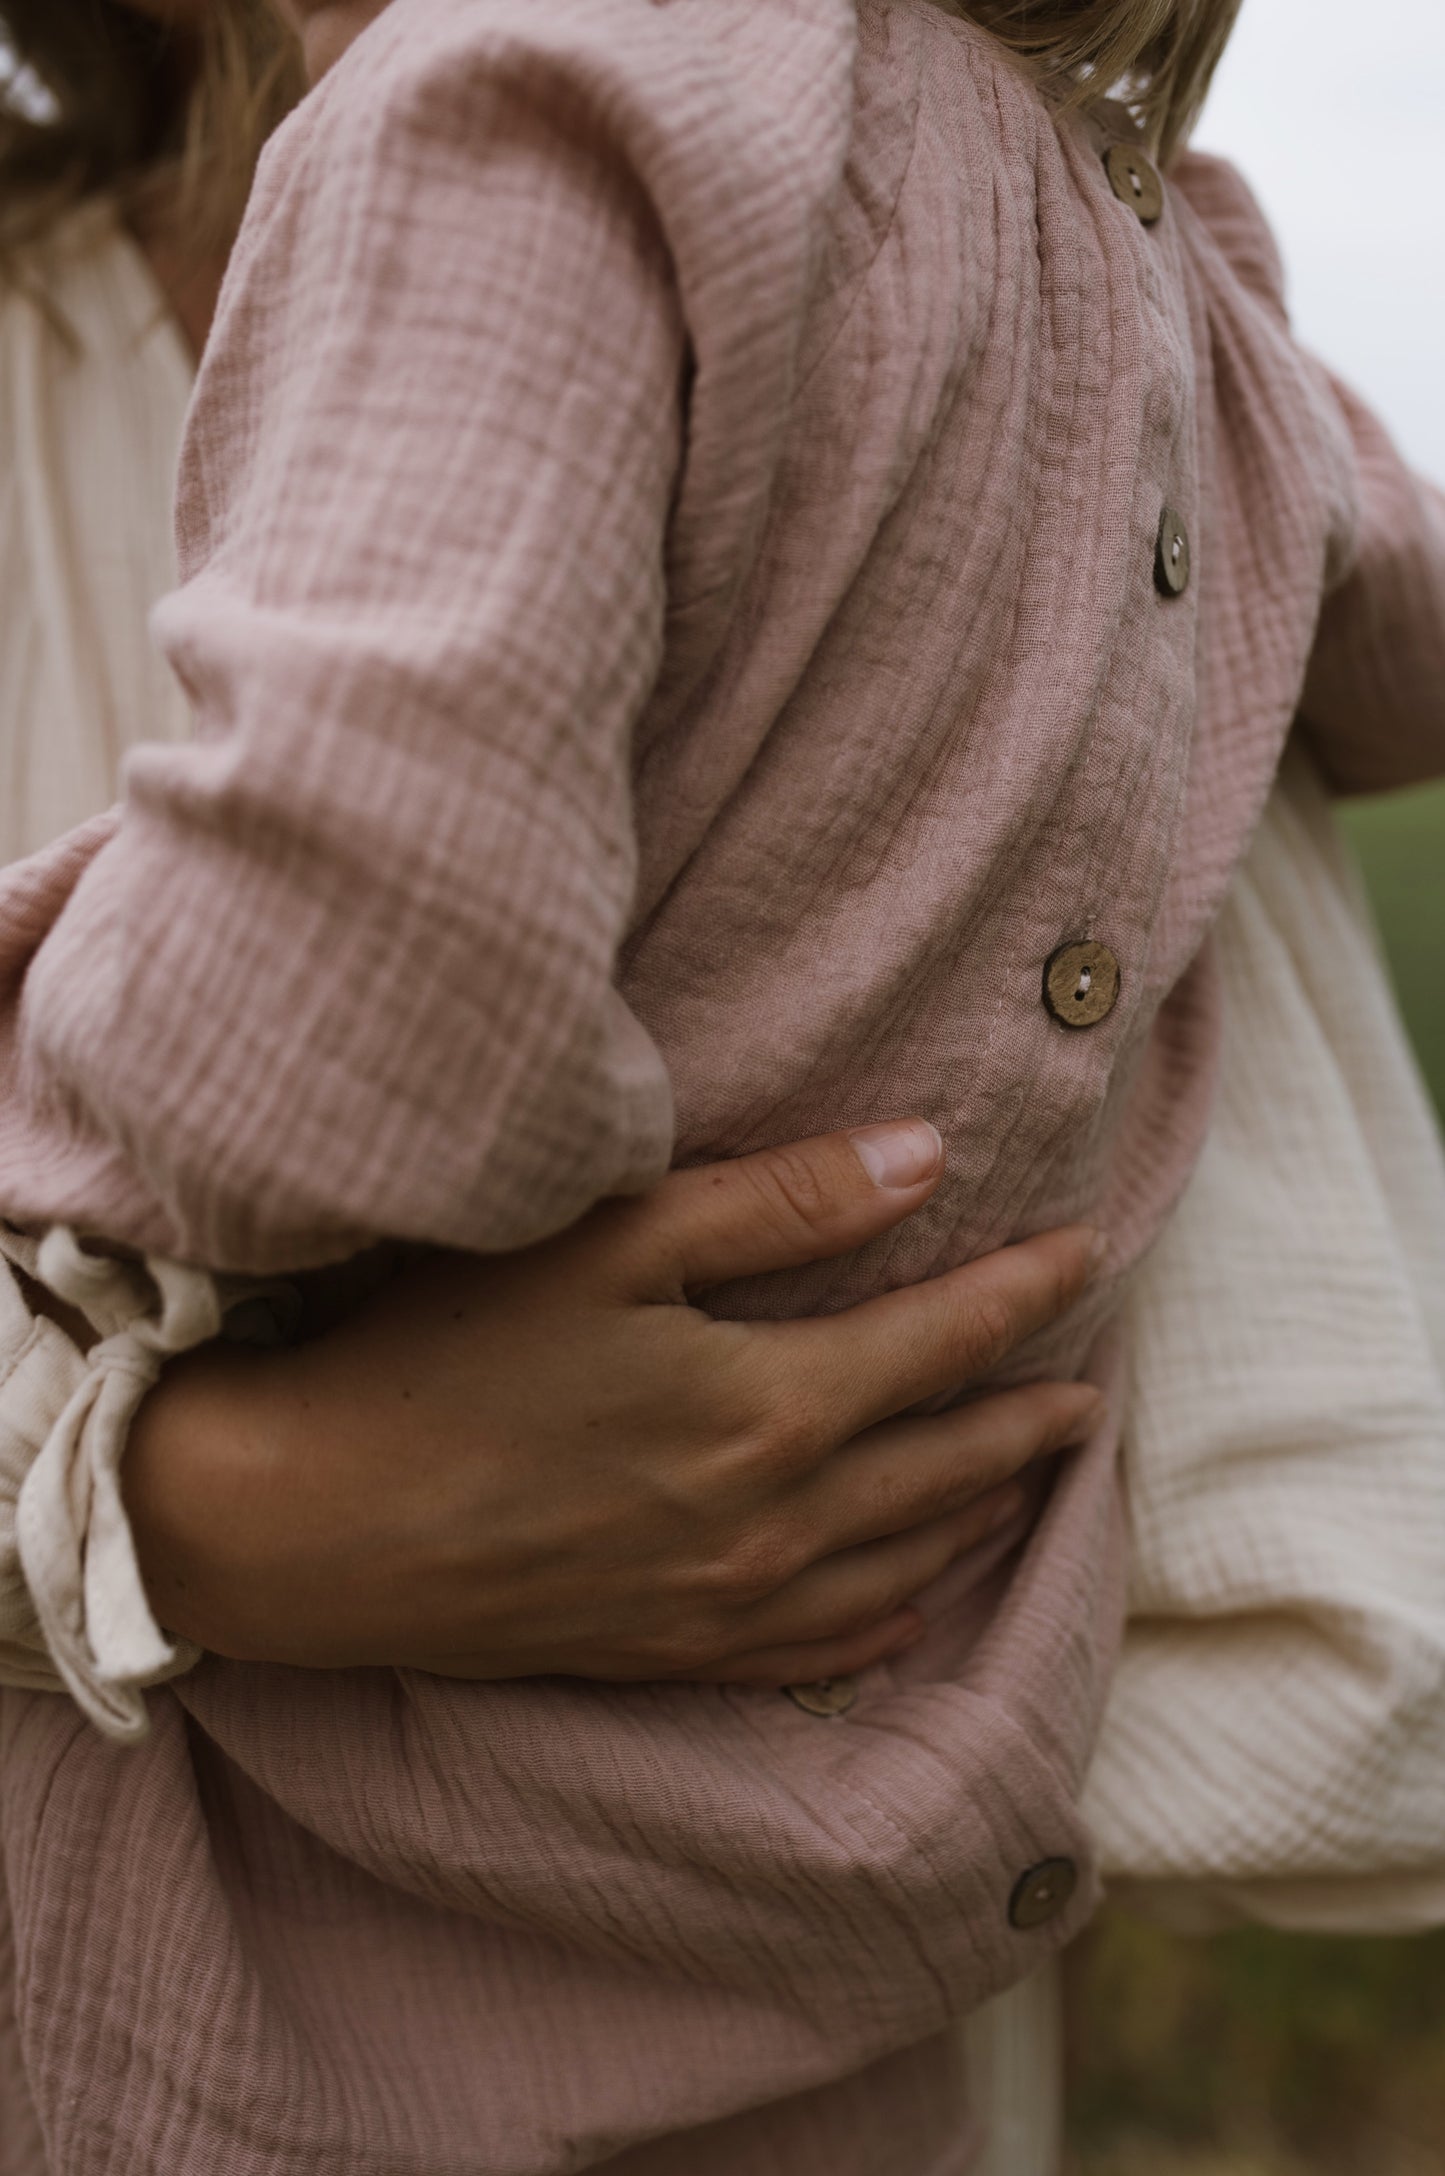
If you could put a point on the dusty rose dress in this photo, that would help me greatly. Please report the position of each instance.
(718, 543)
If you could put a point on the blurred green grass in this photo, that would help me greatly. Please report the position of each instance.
(1400, 841)
(1255, 2054)
(1259, 2054)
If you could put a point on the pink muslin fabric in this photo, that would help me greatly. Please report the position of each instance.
(668, 529)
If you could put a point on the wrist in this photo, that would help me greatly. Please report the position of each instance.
(202, 1480)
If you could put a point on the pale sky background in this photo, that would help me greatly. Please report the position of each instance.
(1335, 109)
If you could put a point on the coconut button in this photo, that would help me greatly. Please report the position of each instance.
(829, 1696)
(1134, 179)
(1081, 983)
(1041, 1894)
(1171, 555)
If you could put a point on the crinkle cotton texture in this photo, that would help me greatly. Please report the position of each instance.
(1274, 1745)
(668, 528)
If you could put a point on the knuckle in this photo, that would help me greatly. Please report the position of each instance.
(793, 1434)
(755, 1565)
(990, 1326)
(794, 1186)
(742, 1381)
(785, 1428)
(900, 1497)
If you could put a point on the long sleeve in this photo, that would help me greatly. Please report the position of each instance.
(1373, 702)
(1374, 698)
(344, 965)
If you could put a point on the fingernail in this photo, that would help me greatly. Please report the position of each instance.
(899, 1155)
(1098, 1254)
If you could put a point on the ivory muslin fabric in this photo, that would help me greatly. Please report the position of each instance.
(94, 381)
(1014, 2058)
(73, 1613)
(1274, 1746)
(669, 529)
(73, 1610)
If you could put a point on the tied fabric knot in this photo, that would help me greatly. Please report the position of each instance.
(73, 1538)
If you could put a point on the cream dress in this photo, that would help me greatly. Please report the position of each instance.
(1275, 1745)
(94, 380)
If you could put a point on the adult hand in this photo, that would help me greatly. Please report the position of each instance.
(552, 1462)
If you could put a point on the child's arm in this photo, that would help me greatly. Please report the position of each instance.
(1373, 705)
(1374, 699)
(343, 966)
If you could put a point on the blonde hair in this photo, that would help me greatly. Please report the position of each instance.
(107, 102)
(1157, 56)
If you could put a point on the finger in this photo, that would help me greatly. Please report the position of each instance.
(850, 1610)
(809, 1662)
(778, 1209)
(853, 1369)
(908, 1472)
(859, 1587)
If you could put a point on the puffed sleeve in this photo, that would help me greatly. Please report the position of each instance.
(1373, 704)
(1374, 699)
(493, 396)
(344, 966)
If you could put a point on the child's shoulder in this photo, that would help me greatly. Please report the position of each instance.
(726, 123)
(670, 66)
(1227, 206)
